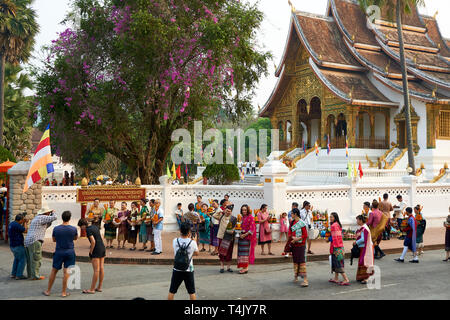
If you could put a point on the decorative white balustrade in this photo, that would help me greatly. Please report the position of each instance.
(345, 199)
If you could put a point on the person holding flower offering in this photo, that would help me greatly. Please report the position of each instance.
(227, 224)
(133, 227)
(421, 226)
(296, 244)
(199, 204)
(121, 219)
(110, 229)
(247, 240)
(265, 232)
(204, 232)
(144, 216)
(364, 242)
(95, 214)
(215, 227)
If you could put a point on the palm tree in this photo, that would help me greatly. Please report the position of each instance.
(18, 28)
(19, 111)
(400, 7)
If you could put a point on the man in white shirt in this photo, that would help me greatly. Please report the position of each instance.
(307, 218)
(248, 167)
(186, 276)
(158, 227)
(253, 167)
(399, 209)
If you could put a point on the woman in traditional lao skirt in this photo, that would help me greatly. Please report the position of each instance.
(247, 240)
(265, 232)
(95, 214)
(133, 227)
(122, 217)
(365, 244)
(447, 237)
(215, 227)
(337, 250)
(144, 215)
(110, 229)
(227, 224)
(204, 233)
(297, 236)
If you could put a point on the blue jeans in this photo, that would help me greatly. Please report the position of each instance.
(19, 261)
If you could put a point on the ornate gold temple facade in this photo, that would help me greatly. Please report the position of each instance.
(327, 77)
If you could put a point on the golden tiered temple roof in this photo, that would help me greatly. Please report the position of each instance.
(343, 49)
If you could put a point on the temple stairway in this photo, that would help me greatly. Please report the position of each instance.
(250, 180)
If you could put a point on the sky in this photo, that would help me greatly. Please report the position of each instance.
(271, 37)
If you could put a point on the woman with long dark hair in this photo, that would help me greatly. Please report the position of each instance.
(247, 240)
(97, 253)
(265, 232)
(364, 242)
(296, 244)
(337, 250)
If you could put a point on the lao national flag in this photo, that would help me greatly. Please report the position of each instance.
(186, 170)
(303, 146)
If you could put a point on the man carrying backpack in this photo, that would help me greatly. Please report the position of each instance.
(183, 268)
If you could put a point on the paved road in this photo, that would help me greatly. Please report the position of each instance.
(426, 280)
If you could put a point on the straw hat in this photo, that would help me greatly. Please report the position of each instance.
(44, 210)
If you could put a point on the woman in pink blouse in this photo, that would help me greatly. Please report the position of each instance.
(265, 232)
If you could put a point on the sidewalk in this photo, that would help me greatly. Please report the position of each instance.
(433, 240)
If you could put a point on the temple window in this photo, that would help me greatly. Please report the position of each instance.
(444, 124)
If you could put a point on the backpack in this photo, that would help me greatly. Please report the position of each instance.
(182, 260)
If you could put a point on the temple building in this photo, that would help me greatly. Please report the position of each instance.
(340, 77)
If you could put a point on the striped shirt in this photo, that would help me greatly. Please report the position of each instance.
(37, 228)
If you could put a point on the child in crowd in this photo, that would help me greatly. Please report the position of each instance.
(421, 226)
(179, 214)
(284, 226)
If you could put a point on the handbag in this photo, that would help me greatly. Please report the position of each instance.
(354, 253)
(202, 227)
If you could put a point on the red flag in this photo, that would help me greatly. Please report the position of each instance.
(360, 170)
(179, 172)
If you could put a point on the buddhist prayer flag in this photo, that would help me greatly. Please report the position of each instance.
(174, 177)
(349, 170)
(355, 173)
(242, 174)
(346, 146)
(317, 148)
(360, 170)
(168, 171)
(41, 162)
(187, 171)
(179, 172)
(328, 145)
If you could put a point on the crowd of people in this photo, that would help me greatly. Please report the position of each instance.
(212, 228)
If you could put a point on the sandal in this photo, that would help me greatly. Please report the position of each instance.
(344, 283)
(333, 281)
(203, 250)
(99, 290)
(229, 270)
(304, 284)
(271, 254)
(263, 254)
(88, 292)
(67, 294)
(46, 294)
(245, 272)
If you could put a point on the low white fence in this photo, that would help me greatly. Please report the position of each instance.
(346, 200)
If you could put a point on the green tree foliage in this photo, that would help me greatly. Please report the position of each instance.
(221, 174)
(18, 27)
(20, 112)
(134, 71)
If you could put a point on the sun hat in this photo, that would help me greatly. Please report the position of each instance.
(44, 210)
